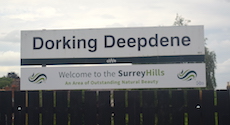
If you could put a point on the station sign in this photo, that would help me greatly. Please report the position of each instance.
(114, 77)
(112, 42)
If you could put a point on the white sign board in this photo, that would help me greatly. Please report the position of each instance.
(114, 77)
(112, 42)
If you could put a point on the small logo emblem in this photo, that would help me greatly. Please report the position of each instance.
(38, 78)
(187, 75)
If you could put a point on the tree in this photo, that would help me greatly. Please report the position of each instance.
(180, 21)
(12, 75)
(7, 80)
(4, 81)
(210, 56)
(210, 61)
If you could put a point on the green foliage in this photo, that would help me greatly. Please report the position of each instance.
(210, 61)
(8, 79)
(180, 21)
(4, 81)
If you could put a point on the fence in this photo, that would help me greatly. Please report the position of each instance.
(154, 107)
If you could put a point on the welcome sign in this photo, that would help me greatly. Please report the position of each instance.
(111, 43)
(114, 77)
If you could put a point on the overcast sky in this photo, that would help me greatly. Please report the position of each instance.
(17, 15)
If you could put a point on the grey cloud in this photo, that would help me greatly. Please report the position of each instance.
(10, 63)
(135, 24)
(9, 58)
(13, 36)
(107, 16)
(115, 25)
